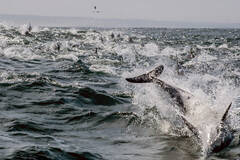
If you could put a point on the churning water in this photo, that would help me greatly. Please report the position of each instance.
(63, 93)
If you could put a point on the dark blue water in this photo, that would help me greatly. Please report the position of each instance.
(63, 93)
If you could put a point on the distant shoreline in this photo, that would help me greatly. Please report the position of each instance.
(56, 21)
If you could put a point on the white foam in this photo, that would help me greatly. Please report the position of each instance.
(169, 51)
(73, 31)
(150, 49)
(212, 46)
(210, 96)
(6, 25)
(127, 54)
(20, 53)
(23, 29)
(223, 46)
(9, 77)
(69, 56)
(103, 68)
(203, 57)
(45, 29)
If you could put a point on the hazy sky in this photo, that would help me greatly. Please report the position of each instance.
(226, 11)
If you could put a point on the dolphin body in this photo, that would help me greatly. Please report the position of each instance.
(224, 133)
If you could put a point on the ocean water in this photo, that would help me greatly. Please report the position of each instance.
(63, 93)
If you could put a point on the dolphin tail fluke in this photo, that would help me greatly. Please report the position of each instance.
(226, 113)
(148, 77)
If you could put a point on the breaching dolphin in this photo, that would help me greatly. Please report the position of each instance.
(224, 133)
(151, 77)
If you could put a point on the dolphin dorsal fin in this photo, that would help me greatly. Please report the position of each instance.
(226, 113)
(148, 77)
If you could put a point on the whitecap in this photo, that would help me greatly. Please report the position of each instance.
(223, 46)
(20, 53)
(69, 56)
(169, 51)
(150, 49)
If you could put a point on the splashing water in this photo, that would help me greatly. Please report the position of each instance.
(64, 94)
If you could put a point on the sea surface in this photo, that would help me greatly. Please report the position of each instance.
(63, 93)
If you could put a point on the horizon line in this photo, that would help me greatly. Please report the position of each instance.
(129, 22)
